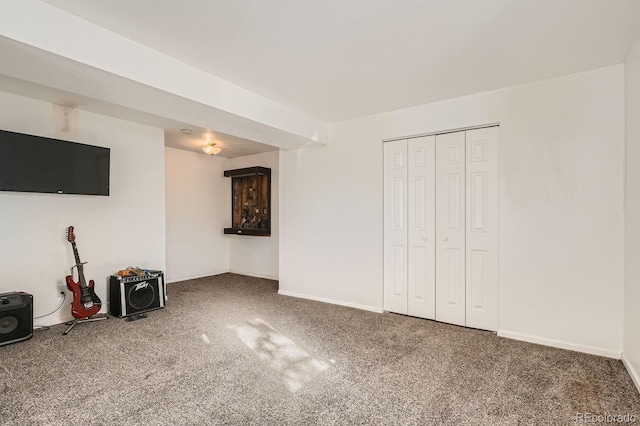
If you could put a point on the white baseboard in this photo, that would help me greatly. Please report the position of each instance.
(210, 274)
(47, 322)
(332, 301)
(63, 316)
(193, 277)
(559, 344)
(254, 274)
(632, 371)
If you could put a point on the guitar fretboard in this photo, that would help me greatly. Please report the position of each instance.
(78, 265)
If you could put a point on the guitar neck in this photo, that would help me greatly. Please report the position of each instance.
(79, 265)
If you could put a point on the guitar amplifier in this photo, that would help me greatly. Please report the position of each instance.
(136, 294)
(16, 317)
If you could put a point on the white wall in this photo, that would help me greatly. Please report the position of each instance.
(198, 208)
(561, 195)
(631, 352)
(124, 229)
(251, 255)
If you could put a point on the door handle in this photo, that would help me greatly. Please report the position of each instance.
(445, 239)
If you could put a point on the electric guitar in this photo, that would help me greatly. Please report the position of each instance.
(85, 301)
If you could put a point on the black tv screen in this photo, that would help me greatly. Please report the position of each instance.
(37, 164)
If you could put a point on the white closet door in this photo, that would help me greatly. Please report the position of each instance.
(395, 226)
(450, 228)
(421, 232)
(482, 228)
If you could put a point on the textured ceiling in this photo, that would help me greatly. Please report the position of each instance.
(337, 59)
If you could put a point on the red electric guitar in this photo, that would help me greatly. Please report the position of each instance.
(85, 301)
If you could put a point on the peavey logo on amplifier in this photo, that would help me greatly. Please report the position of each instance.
(141, 286)
(137, 278)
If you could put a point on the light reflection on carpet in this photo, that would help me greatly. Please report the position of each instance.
(295, 366)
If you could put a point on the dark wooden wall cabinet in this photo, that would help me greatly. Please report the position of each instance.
(250, 201)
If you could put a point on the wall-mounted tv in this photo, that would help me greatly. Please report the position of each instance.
(37, 164)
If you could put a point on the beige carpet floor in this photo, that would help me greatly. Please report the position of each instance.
(229, 350)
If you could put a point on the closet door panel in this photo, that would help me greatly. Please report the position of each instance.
(450, 228)
(395, 226)
(482, 229)
(421, 231)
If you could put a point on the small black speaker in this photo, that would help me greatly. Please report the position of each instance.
(16, 317)
(135, 295)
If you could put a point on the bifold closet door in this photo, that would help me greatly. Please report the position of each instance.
(441, 227)
(450, 228)
(421, 228)
(482, 228)
(395, 227)
(409, 227)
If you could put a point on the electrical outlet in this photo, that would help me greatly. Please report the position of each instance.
(62, 289)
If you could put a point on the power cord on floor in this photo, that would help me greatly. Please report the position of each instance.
(44, 327)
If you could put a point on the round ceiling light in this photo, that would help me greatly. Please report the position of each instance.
(211, 149)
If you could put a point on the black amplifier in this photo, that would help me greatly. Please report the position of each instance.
(136, 294)
(16, 317)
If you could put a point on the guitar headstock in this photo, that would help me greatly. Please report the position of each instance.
(71, 237)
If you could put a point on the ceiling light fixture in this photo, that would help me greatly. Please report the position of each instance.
(186, 131)
(211, 149)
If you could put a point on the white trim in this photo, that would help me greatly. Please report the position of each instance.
(632, 371)
(253, 274)
(193, 277)
(559, 344)
(41, 322)
(332, 301)
(442, 132)
(220, 272)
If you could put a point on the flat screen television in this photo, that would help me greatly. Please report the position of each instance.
(38, 164)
